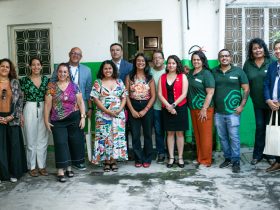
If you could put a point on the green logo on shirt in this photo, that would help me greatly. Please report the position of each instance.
(198, 101)
(232, 101)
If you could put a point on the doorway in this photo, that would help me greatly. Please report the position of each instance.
(140, 36)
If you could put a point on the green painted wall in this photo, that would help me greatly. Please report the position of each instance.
(247, 128)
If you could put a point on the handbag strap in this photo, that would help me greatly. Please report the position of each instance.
(271, 117)
(276, 119)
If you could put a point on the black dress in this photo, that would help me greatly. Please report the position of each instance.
(12, 154)
(173, 122)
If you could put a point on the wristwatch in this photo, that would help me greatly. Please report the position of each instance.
(173, 105)
(83, 115)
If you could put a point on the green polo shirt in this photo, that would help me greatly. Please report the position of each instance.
(156, 75)
(256, 76)
(197, 88)
(227, 95)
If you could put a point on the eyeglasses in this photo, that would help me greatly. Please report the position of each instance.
(4, 94)
(224, 56)
(75, 53)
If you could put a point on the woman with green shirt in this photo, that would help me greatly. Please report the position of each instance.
(255, 67)
(201, 90)
(34, 87)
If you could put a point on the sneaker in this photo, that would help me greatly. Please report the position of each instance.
(80, 166)
(13, 180)
(226, 163)
(160, 158)
(235, 168)
(196, 163)
(255, 161)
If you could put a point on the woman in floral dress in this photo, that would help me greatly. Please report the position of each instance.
(109, 95)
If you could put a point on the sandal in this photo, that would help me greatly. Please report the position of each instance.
(114, 167)
(106, 167)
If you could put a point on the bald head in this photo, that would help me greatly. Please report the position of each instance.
(75, 55)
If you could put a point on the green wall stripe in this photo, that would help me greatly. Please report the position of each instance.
(247, 128)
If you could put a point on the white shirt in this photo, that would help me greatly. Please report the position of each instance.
(75, 74)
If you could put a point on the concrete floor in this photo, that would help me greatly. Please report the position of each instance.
(154, 188)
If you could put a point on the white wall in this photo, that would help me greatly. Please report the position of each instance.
(90, 24)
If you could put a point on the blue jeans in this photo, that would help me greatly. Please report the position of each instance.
(228, 132)
(159, 132)
(262, 117)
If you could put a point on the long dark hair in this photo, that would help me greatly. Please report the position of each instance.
(261, 43)
(67, 66)
(202, 57)
(146, 69)
(30, 63)
(180, 68)
(100, 74)
(12, 73)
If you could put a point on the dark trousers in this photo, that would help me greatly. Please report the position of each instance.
(262, 117)
(12, 154)
(68, 141)
(146, 122)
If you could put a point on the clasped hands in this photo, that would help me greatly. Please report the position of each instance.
(6, 120)
(171, 109)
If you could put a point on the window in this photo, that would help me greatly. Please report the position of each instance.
(30, 41)
(245, 23)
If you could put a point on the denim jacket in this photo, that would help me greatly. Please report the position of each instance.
(17, 102)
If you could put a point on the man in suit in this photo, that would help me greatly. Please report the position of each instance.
(81, 75)
(123, 66)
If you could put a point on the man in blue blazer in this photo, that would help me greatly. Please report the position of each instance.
(123, 66)
(272, 93)
(81, 75)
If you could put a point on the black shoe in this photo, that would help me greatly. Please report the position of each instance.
(255, 161)
(181, 165)
(80, 166)
(70, 174)
(170, 165)
(160, 158)
(226, 163)
(61, 178)
(235, 168)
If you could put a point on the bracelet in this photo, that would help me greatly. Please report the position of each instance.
(83, 115)
(173, 105)
(146, 109)
(90, 108)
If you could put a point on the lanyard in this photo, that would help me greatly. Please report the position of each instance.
(74, 76)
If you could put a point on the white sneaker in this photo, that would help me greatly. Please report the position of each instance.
(195, 162)
(13, 180)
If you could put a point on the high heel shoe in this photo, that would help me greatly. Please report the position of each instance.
(170, 165)
(181, 165)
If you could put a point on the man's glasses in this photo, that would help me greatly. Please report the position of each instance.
(75, 53)
(224, 56)
(4, 94)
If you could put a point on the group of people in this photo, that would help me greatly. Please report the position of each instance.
(138, 97)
